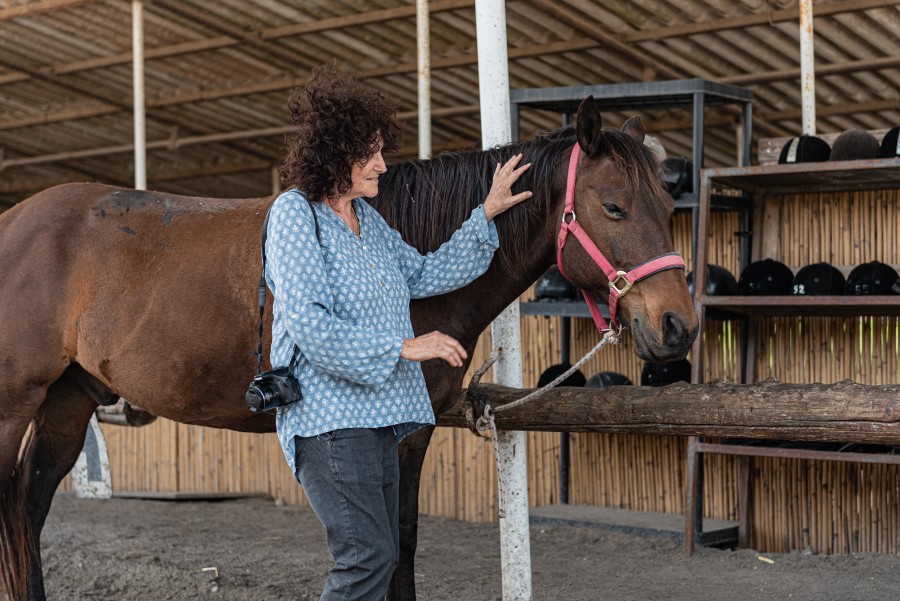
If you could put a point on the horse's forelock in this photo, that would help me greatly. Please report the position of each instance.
(640, 165)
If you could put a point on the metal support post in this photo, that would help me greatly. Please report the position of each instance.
(493, 85)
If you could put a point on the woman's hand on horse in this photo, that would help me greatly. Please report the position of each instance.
(501, 197)
(434, 345)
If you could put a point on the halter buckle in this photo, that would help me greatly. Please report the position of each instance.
(572, 213)
(620, 275)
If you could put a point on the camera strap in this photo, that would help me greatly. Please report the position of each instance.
(262, 291)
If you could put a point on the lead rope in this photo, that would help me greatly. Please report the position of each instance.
(486, 422)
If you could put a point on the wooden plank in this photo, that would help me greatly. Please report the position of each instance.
(842, 412)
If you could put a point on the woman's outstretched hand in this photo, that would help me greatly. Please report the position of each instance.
(501, 197)
(433, 345)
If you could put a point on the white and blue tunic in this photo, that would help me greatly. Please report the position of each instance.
(345, 304)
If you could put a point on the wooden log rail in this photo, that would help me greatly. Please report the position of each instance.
(841, 412)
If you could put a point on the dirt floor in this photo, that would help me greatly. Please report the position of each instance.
(250, 549)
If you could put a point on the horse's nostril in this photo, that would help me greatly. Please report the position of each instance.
(672, 328)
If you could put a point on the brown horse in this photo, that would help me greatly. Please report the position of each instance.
(107, 292)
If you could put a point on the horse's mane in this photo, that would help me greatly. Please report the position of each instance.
(427, 200)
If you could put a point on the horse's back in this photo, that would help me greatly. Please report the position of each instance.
(135, 286)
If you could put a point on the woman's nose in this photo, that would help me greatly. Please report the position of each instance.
(379, 166)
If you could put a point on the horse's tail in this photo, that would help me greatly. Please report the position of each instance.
(16, 542)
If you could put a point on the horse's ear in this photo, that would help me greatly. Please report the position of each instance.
(588, 126)
(634, 129)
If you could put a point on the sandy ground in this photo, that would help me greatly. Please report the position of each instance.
(249, 549)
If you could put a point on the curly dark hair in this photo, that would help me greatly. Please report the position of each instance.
(339, 123)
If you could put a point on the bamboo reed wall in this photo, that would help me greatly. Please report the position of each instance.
(827, 507)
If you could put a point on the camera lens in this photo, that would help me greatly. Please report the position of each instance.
(260, 399)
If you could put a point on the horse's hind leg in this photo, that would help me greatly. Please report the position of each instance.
(15, 536)
(412, 457)
(18, 406)
(56, 441)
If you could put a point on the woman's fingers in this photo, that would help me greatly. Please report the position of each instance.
(510, 174)
(500, 197)
(514, 200)
(451, 351)
(434, 345)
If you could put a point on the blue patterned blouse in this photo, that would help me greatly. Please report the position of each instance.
(346, 306)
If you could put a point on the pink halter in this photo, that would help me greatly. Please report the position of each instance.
(620, 282)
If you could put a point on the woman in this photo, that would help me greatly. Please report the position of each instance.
(342, 281)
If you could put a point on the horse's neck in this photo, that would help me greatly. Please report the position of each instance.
(466, 312)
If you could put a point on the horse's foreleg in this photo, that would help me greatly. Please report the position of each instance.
(56, 441)
(412, 456)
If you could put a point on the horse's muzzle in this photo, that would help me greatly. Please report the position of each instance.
(671, 342)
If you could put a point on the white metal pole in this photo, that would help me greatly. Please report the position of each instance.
(807, 68)
(493, 87)
(423, 59)
(140, 131)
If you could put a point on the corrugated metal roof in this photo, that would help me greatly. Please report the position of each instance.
(226, 67)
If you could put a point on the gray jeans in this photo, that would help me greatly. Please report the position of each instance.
(351, 478)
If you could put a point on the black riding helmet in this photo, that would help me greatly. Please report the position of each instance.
(554, 286)
(607, 378)
(719, 281)
(805, 149)
(766, 278)
(873, 278)
(576, 378)
(819, 279)
(678, 176)
(660, 374)
(854, 145)
(890, 144)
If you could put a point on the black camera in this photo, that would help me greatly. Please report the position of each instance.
(273, 389)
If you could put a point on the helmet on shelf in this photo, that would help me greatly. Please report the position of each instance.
(819, 279)
(553, 285)
(890, 144)
(678, 176)
(719, 281)
(766, 278)
(853, 145)
(607, 378)
(660, 374)
(805, 149)
(576, 378)
(872, 278)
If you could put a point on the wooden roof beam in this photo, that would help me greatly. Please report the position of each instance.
(227, 41)
(98, 110)
(762, 18)
(286, 83)
(156, 176)
(744, 79)
(169, 144)
(36, 8)
(175, 144)
(337, 23)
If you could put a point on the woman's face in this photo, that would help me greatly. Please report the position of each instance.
(364, 175)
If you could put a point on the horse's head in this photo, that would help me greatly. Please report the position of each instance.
(621, 204)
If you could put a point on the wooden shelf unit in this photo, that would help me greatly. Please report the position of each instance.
(758, 187)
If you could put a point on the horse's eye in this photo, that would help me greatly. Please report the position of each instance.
(614, 210)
